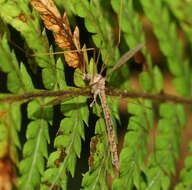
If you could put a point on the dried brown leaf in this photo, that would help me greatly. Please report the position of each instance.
(61, 28)
(72, 59)
(49, 14)
(46, 7)
(51, 23)
(62, 41)
(66, 24)
(76, 38)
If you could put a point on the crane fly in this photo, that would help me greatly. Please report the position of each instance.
(98, 89)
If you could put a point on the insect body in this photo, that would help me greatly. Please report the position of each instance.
(98, 89)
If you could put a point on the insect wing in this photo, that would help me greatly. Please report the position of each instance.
(126, 57)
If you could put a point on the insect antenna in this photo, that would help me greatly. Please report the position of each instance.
(97, 59)
(103, 68)
(119, 27)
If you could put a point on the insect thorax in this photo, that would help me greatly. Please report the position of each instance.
(97, 84)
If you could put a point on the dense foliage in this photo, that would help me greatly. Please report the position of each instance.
(43, 137)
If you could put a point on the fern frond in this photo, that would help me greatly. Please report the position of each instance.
(167, 143)
(35, 147)
(171, 47)
(129, 22)
(184, 181)
(67, 143)
(18, 81)
(95, 178)
(34, 151)
(132, 156)
(182, 11)
(28, 27)
(100, 166)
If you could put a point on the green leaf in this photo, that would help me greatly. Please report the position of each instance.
(52, 158)
(92, 68)
(27, 79)
(81, 8)
(142, 108)
(16, 115)
(5, 55)
(78, 78)
(113, 104)
(145, 81)
(158, 79)
(66, 126)
(79, 105)
(28, 147)
(13, 83)
(89, 25)
(32, 130)
(188, 162)
(77, 146)
(37, 111)
(62, 141)
(181, 114)
(165, 182)
(72, 163)
(60, 74)
(100, 126)
(167, 110)
(3, 139)
(95, 177)
(181, 85)
(49, 174)
(34, 150)
(49, 79)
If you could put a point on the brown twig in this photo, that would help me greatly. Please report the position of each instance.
(160, 97)
(33, 95)
(87, 92)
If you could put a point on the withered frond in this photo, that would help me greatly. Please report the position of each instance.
(64, 38)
